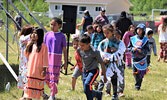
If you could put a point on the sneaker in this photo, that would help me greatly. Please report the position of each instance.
(70, 90)
(107, 94)
(114, 97)
(121, 94)
(137, 88)
(45, 96)
(52, 98)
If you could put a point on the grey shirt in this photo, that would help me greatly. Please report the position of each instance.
(90, 58)
(152, 46)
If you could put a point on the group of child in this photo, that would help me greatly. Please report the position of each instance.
(40, 60)
(41, 56)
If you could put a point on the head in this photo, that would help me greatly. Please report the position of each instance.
(149, 33)
(140, 30)
(102, 12)
(123, 14)
(113, 23)
(98, 28)
(26, 30)
(55, 24)
(89, 29)
(75, 42)
(95, 23)
(86, 13)
(131, 28)
(108, 31)
(164, 24)
(37, 36)
(84, 42)
(117, 34)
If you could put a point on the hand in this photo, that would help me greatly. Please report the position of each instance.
(65, 66)
(139, 50)
(134, 49)
(72, 68)
(106, 61)
(43, 73)
(30, 43)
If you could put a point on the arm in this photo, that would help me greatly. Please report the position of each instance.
(131, 48)
(154, 47)
(65, 57)
(82, 22)
(103, 72)
(145, 49)
(45, 60)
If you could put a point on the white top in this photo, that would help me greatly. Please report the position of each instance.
(162, 35)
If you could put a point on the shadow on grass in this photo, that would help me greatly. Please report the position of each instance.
(6, 76)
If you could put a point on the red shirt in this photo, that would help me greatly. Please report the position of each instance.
(78, 61)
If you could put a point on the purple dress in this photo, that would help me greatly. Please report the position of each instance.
(55, 43)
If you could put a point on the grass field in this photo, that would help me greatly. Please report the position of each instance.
(154, 85)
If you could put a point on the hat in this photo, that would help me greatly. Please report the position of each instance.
(103, 10)
(148, 31)
(86, 11)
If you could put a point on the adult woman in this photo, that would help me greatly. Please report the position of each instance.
(86, 20)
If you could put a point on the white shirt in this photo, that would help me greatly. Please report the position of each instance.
(162, 35)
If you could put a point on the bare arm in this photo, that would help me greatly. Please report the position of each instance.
(65, 57)
(103, 72)
(82, 22)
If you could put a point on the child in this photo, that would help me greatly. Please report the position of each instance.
(112, 50)
(97, 37)
(149, 34)
(56, 43)
(126, 39)
(37, 52)
(89, 30)
(90, 59)
(139, 46)
(162, 33)
(113, 23)
(24, 38)
(78, 66)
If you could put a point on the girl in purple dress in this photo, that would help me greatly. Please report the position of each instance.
(56, 43)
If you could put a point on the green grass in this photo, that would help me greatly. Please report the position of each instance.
(153, 86)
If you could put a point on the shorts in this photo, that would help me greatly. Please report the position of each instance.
(77, 72)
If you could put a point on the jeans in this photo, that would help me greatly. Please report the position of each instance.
(88, 78)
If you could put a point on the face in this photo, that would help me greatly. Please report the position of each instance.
(132, 29)
(34, 36)
(102, 13)
(108, 34)
(140, 31)
(84, 46)
(90, 31)
(99, 29)
(75, 44)
(54, 26)
(114, 26)
(150, 36)
(117, 36)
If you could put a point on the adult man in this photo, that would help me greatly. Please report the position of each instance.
(102, 18)
(123, 23)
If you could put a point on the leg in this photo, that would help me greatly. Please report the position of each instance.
(88, 79)
(138, 79)
(114, 85)
(73, 83)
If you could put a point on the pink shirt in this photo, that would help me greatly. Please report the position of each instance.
(126, 37)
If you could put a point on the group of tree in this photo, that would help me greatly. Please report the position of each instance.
(148, 5)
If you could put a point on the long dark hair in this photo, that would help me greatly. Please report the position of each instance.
(27, 29)
(40, 33)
